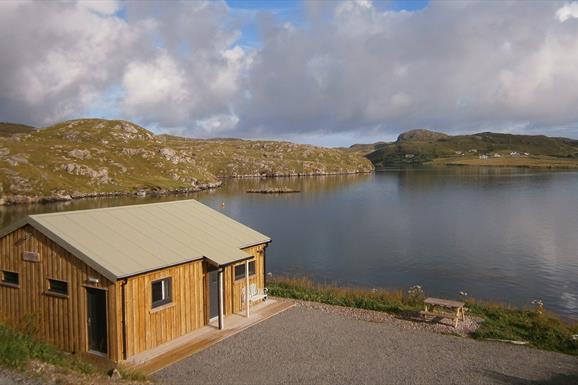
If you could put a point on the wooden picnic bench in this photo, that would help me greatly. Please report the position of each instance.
(453, 310)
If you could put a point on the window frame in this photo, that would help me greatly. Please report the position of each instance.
(239, 277)
(166, 292)
(57, 292)
(4, 282)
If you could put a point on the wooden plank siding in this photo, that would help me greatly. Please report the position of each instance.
(147, 327)
(60, 321)
(63, 321)
(233, 303)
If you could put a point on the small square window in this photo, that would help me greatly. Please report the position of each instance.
(57, 287)
(162, 292)
(10, 278)
(251, 268)
(240, 271)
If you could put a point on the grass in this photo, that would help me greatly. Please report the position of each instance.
(390, 301)
(524, 162)
(17, 348)
(132, 375)
(542, 330)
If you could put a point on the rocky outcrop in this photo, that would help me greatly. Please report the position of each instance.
(99, 176)
(12, 199)
(79, 154)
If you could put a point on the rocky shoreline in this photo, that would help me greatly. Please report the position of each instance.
(10, 200)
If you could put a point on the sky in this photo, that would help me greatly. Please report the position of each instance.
(330, 72)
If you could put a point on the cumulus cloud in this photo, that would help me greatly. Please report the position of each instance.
(57, 58)
(466, 66)
(194, 75)
(350, 68)
(176, 65)
(568, 11)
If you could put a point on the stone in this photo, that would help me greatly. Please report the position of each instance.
(115, 375)
(79, 154)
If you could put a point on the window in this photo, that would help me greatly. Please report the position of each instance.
(240, 271)
(10, 278)
(57, 287)
(162, 292)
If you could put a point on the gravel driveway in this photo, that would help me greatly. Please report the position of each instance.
(310, 346)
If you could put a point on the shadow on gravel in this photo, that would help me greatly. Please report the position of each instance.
(556, 379)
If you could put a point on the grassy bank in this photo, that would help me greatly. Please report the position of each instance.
(21, 351)
(538, 162)
(540, 328)
(18, 348)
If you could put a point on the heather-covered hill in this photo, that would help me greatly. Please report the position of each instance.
(93, 156)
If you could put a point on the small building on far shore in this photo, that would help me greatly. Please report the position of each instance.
(120, 281)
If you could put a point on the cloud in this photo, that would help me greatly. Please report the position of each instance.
(347, 69)
(57, 58)
(453, 67)
(175, 65)
(194, 76)
(568, 11)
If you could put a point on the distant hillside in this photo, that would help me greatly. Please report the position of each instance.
(94, 156)
(9, 129)
(423, 146)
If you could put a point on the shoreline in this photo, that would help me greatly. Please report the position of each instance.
(14, 200)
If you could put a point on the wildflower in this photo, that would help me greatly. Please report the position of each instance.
(539, 305)
(415, 292)
(463, 294)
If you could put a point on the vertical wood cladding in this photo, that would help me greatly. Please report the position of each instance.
(61, 321)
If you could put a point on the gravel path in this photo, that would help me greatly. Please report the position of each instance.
(311, 345)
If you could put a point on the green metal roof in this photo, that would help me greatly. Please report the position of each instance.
(123, 241)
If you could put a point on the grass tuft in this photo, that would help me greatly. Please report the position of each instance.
(132, 374)
(17, 348)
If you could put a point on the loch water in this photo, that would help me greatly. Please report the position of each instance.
(508, 235)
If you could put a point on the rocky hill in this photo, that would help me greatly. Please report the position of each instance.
(9, 129)
(90, 157)
(423, 146)
(421, 135)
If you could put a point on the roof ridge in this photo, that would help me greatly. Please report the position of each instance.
(79, 211)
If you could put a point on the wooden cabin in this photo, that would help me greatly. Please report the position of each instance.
(119, 281)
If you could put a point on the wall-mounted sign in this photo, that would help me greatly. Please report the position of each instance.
(31, 256)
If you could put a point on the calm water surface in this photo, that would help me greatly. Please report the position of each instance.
(500, 234)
